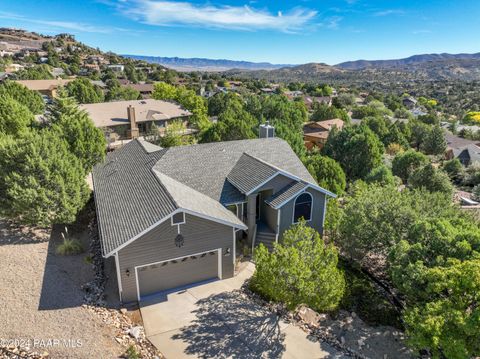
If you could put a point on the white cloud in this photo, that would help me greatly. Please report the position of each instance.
(171, 13)
(64, 25)
(389, 12)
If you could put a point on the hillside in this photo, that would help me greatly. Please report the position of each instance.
(409, 61)
(203, 64)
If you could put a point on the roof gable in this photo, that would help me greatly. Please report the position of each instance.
(249, 173)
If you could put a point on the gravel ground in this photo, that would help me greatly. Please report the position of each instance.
(40, 298)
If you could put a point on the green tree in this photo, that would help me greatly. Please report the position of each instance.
(15, 119)
(323, 112)
(381, 175)
(327, 172)
(435, 143)
(432, 179)
(84, 91)
(42, 183)
(405, 163)
(23, 95)
(73, 125)
(300, 270)
(116, 92)
(175, 135)
(357, 149)
(454, 169)
(37, 72)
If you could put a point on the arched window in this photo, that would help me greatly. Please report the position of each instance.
(303, 207)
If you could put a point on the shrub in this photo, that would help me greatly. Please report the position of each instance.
(381, 175)
(404, 164)
(476, 193)
(70, 247)
(454, 169)
(394, 148)
(301, 270)
(432, 179)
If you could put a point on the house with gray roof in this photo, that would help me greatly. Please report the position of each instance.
(173, 217)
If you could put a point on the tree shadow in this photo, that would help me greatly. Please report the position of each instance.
(12, 233)
(228, 325)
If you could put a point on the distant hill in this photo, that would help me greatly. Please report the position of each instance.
(202, 64)
(412, 60)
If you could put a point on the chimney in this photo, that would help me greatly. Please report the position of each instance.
(266, 131)
(133, 132)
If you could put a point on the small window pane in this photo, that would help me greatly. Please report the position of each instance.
(178, 218)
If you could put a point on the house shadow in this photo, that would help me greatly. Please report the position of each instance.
(227, 325)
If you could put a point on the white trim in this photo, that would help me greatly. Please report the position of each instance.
(289, 175)
(311, 207)
(324, 213)
(219, 272)
(234, 252)
(182, 222)
(193, 213)
(278, 225)
(119, 278)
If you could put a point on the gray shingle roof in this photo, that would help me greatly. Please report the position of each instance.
(128, 196)
(205, 167)
(286, 193)
(248, 173)
(141, 184)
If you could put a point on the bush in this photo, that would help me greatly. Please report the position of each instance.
(381, 175)
(454, 169)
(394, 149)
(404, 164)
(327, 172)
(301, 270)
(432, 179)
(70, 247)
(476, 193)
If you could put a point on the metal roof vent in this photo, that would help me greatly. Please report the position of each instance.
(266, 131)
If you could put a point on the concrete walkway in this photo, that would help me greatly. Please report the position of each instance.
(213, 321)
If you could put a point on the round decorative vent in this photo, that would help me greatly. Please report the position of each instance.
(179, 241)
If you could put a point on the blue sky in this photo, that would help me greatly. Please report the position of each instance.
(288, 31)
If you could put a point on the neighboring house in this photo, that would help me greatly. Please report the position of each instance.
(116, 68)
(130, 119)
(174, 217)
(45, 87)
(13, 68)
(309, 101)
(315, 134)
(467, 155)
(145, 90)
(409, 102)
(467, 151)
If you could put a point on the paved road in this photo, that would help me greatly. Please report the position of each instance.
(214, 321)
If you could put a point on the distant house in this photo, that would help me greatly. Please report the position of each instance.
(315, 134)
(311, 100)
(172, 217)
(13, 68)
(116, 68)
(467, 151)
(293, 94)
(409, 102)
(45, 87)
(130, 119)
(145, 90)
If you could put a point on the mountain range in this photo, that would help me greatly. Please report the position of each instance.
(202, 64)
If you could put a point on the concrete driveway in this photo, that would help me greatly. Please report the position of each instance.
(214, 321)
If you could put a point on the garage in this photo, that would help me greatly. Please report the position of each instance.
(178, 272)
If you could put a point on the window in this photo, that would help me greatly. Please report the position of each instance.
(303, 207)
(178, 218)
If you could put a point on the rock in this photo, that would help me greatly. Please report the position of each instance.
(354, 315)
(386, 332)
(342, 340)
(135, 332)
(385, 356)
(119, 340)
(123, 311)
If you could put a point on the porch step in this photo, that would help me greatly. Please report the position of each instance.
(267, 239)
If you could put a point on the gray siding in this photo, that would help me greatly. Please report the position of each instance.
(286, 212)
(270, 217)
(158, 245)
(276, 184)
